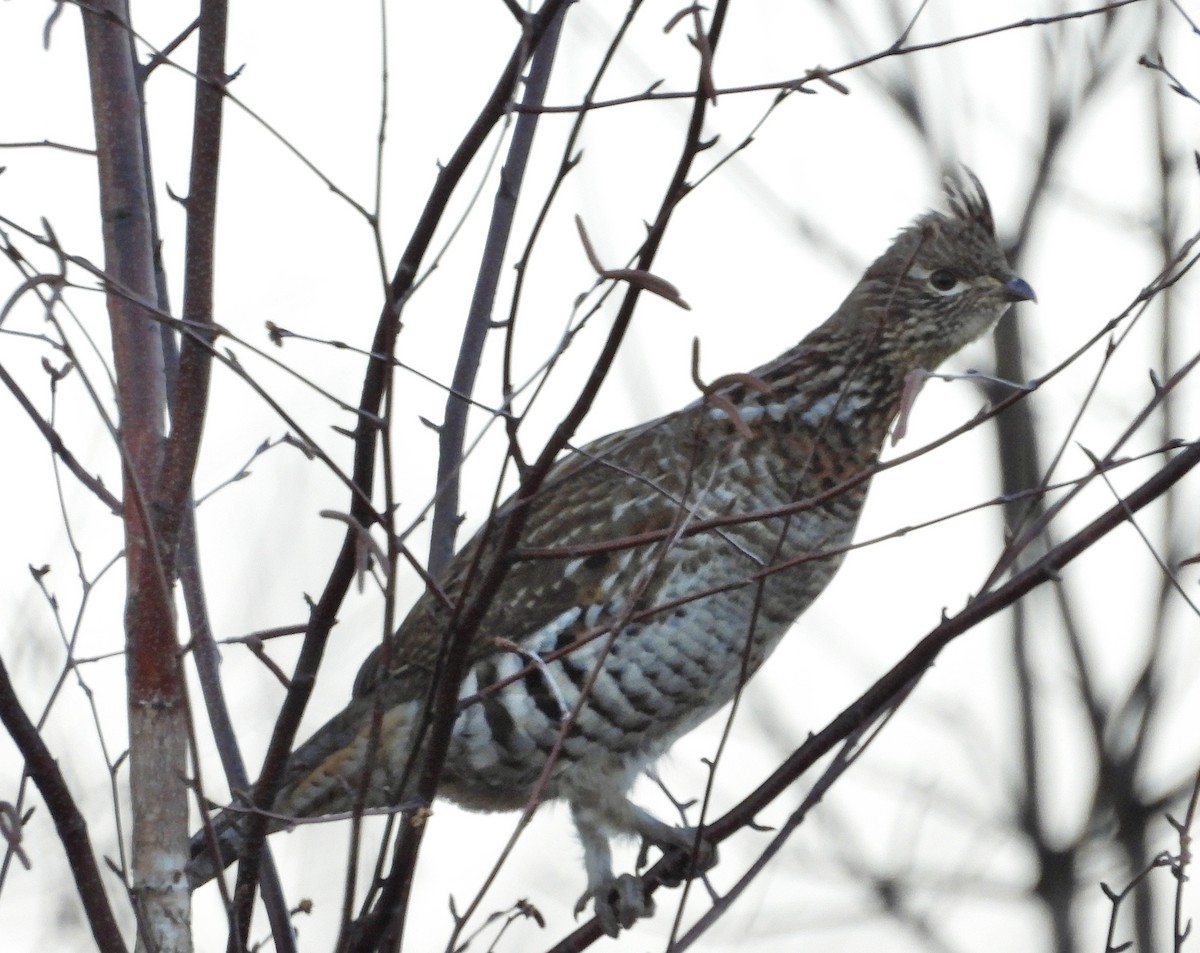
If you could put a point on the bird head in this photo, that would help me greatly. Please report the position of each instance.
(943, 282)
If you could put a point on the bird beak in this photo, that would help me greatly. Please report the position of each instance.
(1017, 289)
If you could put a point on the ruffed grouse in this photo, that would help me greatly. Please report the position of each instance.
(709, 579)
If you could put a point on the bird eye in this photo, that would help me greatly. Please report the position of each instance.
(943, 280)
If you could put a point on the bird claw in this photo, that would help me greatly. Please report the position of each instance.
(687, 863)
(686, 856)
(618, 903)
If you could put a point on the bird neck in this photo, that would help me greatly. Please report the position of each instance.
(830, 383)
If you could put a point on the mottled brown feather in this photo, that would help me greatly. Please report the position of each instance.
(695, 611)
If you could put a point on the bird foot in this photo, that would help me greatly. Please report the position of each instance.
(618, 903)
(684, 856)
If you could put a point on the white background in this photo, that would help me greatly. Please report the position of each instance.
(929, 805)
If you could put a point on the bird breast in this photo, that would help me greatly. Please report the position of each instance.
(655, 637)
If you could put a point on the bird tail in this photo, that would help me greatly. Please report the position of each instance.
(325, 776)
(228, 835)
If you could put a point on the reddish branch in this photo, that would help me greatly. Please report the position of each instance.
(155, 693)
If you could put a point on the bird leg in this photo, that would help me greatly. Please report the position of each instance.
(619, 902)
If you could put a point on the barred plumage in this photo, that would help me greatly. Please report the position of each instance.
(708, 579)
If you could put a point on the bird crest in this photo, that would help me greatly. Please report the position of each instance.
(969, 201)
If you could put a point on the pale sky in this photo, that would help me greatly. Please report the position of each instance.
(925, 803)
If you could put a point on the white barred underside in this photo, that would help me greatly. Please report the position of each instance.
(662, 675)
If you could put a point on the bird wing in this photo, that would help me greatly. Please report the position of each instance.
(616, 487)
